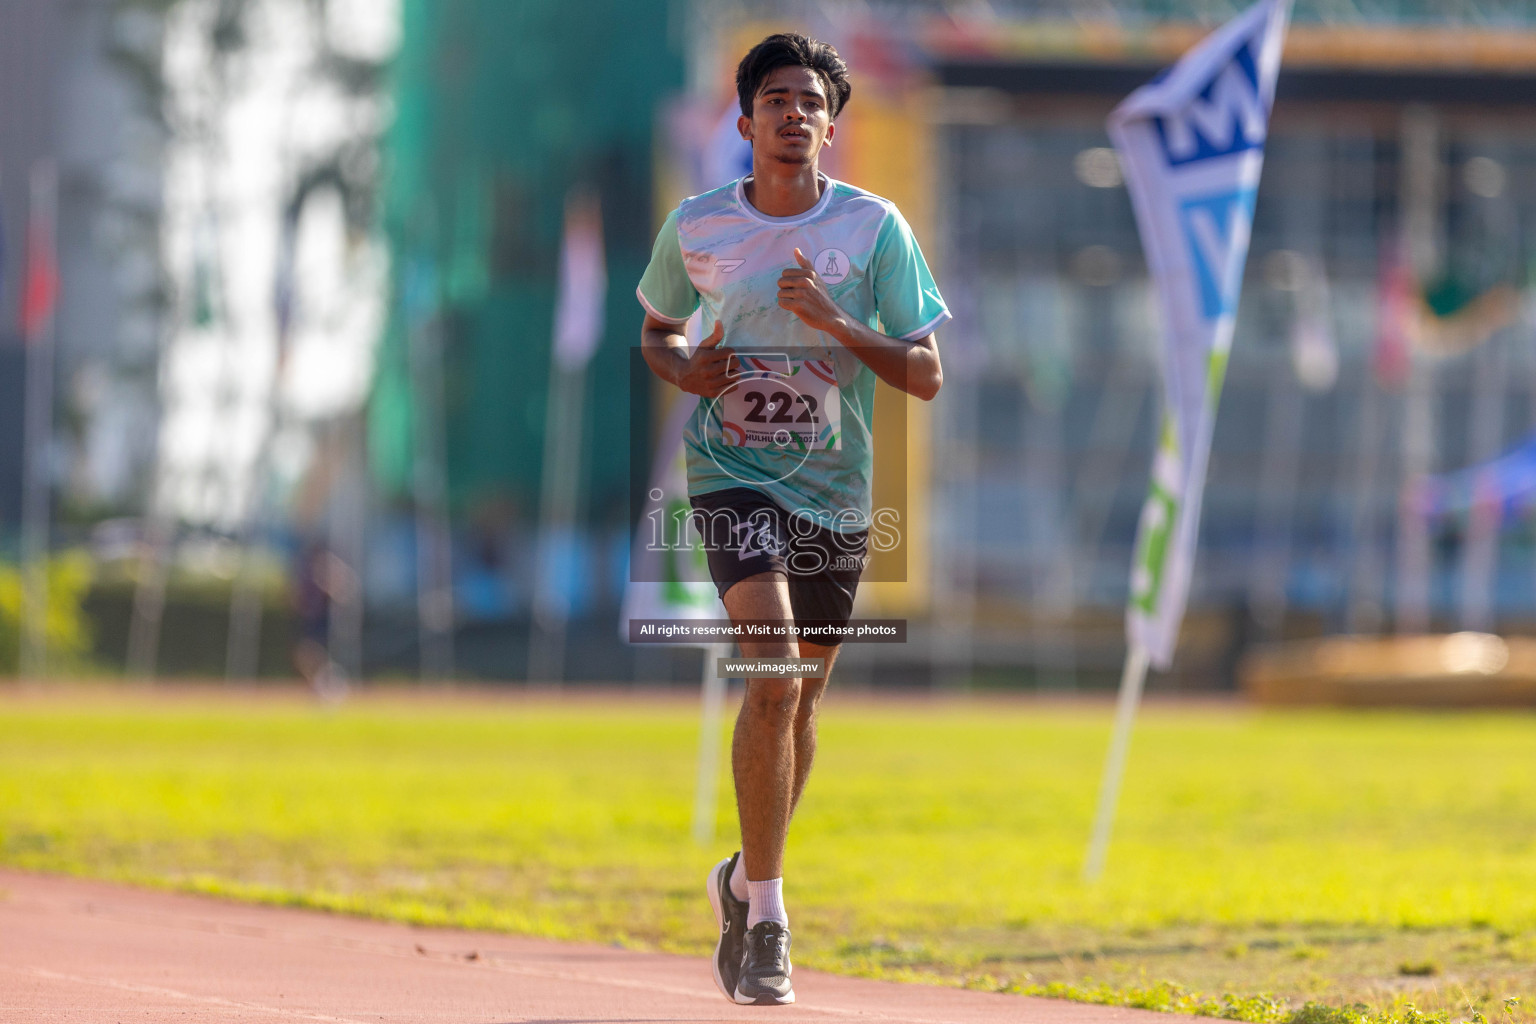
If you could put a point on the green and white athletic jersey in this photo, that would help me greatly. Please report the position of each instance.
(797, 426)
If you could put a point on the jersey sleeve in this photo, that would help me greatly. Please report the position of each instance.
(906, 297)
(665, 290)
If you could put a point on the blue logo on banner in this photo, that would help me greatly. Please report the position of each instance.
(1227, 116)
(1216, 228)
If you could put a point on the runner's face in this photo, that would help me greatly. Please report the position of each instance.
(790, 120)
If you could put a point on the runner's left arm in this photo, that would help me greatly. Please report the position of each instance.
(907, 365)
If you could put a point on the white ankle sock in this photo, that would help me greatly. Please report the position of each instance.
(766, 902)
(739, 879)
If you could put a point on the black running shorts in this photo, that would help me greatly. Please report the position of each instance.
(746, 533)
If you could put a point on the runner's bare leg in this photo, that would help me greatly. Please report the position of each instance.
(763, 748)
(811, 691)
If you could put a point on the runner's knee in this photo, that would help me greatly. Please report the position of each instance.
(775, 697)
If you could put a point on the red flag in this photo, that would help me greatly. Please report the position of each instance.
(41, 289)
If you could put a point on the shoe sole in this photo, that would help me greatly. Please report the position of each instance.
(713, 888)
(784, 1000)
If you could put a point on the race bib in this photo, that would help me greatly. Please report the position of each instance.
(789, 404)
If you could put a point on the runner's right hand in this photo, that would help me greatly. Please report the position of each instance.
(708, 372)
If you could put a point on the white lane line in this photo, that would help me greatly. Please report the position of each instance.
(710, 995)
(171, 993)
(488, 959)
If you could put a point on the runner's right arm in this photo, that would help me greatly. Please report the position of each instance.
(706, 372)
(670, 298)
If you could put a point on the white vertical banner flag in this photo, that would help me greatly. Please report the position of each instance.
(583, 284)
(578, 329)
(1191, 142)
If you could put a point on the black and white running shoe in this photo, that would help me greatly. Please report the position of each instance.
(765, 970)
(731, 919)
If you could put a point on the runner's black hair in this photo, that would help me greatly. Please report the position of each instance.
(790, 49)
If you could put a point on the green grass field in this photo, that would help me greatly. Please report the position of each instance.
(1384, 859)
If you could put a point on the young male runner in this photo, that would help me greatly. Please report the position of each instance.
(810, 289)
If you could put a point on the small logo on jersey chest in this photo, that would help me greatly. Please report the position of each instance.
(832, 265)
(726, 266)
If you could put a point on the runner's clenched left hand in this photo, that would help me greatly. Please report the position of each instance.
(804, 293)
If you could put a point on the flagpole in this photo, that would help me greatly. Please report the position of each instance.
(953, 649)
(578, 329)
(1280, 463)
(242, 647)
(1111, 444)
(149, 590)
(1364, 610)
(38, 427)
(347, 527)
(560, 494)
(434, 552)
(1421, 188)
(1479, 569)
(242, 658)
(1053, 602)
(1415, 557)
(1480, 553)
(1132, 679)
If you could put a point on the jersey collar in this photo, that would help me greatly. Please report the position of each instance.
(799, 218)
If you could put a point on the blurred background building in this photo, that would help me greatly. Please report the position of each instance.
(73, 75)
(309, 250)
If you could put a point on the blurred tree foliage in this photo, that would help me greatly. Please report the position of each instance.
(67, 628)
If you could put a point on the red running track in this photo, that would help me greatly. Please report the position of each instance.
(91, 952)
